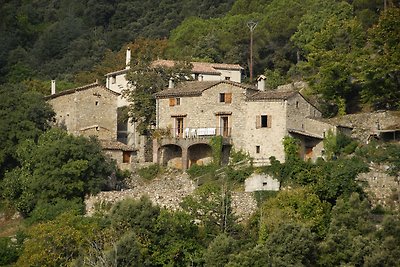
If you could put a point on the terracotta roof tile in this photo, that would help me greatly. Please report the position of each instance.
(198, 67)
(195, 88)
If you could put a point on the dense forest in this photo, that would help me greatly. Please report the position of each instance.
(349, 53)
(347, 50)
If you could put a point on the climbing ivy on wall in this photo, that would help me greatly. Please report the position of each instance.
(216, 147)
(291, 147)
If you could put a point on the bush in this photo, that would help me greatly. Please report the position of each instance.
(49, 211)
(9, 251)
(200, 170)
(150, 172)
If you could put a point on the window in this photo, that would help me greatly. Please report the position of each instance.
(227, 78)
(297, 104)
(96, 103)
(263, 121)
(225, 98)
(257, 149)
(179, 127)
(174, 101)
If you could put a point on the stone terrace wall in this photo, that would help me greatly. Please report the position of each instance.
(382, 188)
(168, 191)
(366, 123)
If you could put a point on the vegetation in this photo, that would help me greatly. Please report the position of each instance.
(150, 172)
(347, 50)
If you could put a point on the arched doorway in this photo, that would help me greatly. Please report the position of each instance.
(171, 156)
(200, 154)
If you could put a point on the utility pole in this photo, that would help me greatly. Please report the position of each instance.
(251, 25)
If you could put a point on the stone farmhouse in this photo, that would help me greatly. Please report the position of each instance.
(91, 110)
(248, 118)
(117, 82)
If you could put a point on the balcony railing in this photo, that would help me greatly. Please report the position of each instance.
(200, 132)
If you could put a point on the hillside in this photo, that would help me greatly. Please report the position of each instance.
(347, 50)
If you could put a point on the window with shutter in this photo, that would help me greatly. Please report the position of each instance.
(228, 98)
(258, 121)
(263, 121)
(172, 102)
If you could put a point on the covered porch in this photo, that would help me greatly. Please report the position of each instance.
(183, 152)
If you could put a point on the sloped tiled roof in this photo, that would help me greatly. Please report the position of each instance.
(198, 67)
(195, 88)
(271, 95)
(115, 145)
(82, 88)
(201, 67)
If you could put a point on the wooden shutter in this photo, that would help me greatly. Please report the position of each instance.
(126, 157)
(269, 121)
(228, 98)
(258, 121)
(172, 102)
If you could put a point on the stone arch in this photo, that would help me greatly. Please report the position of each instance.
(200, 154)
(170, 155)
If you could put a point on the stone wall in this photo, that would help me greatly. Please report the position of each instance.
(268, 139)
(365, 124)
(381, 188)
(261, 182)
(88, 111)
(168, 191)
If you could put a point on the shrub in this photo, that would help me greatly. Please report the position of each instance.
(150, 172)
(9, 251)
(200, 170)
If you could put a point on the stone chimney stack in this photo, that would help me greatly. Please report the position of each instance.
(128, 58)
(53, 87)
(261, 82)
(171, 83)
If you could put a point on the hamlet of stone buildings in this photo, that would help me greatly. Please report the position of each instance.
(251, 118)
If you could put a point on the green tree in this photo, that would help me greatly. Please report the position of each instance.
(57, 166)
(380, 74)
(292, 245)
(58, 242)
(147, 80)
(23, 115)
(211, 205)
(349, 237)
(219, 250)
(299, 206)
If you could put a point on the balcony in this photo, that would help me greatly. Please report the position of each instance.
(200, 132)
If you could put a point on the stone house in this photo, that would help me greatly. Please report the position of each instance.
(91, 110)
(248, 118)
(117, 82)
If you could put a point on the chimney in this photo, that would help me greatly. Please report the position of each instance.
(261, 82)
(171, 83)
(53, 87)
(128, 58)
